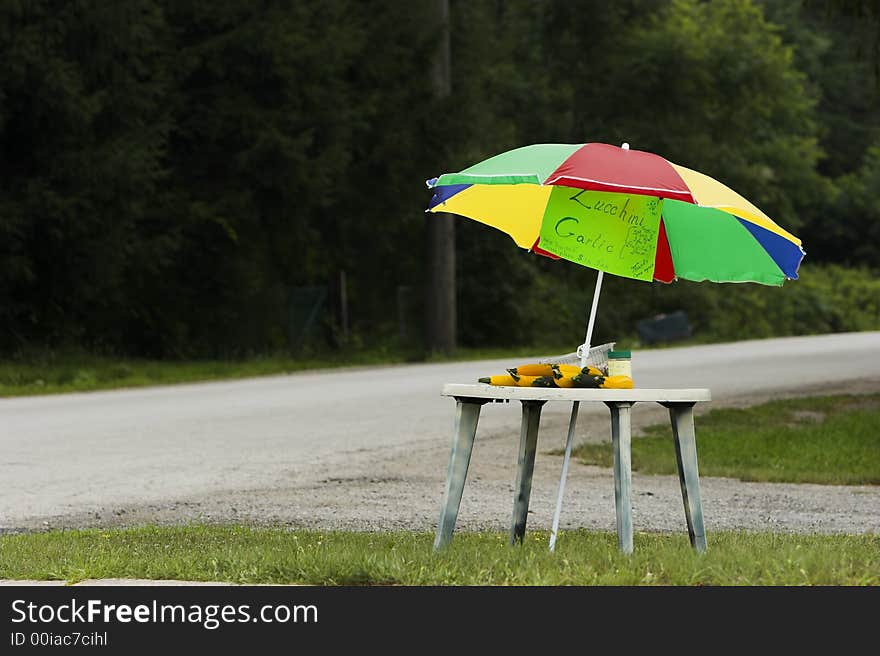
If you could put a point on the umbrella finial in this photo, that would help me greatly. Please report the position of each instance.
(625, 146)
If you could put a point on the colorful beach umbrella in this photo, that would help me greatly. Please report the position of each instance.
(621, 211)
(627, 212)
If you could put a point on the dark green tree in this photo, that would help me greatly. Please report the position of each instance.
(83, 127)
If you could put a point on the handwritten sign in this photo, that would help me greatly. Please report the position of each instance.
(616, 233)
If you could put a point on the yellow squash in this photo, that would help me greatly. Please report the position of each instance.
(617, 382)
(587, 380)
(535, 381)
(499, 380)
(532, 370)
(561, 370)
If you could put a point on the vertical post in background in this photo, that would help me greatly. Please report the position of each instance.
(440, 297)
(343, 306)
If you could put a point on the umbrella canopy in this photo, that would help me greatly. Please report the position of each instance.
(627, 212)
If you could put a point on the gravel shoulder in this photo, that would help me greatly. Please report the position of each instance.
(400, 487)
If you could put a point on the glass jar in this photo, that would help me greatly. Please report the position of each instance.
(620, 363)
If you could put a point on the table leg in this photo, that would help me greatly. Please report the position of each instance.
(621, 439)
(682, 419)
(467, 414)
(525, 467)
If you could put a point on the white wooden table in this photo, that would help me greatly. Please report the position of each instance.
(470, 399)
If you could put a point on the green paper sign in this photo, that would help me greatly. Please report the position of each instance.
(616, 233)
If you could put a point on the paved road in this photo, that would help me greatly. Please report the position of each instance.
(71, 454)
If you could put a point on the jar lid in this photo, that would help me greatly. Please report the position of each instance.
(619, 354)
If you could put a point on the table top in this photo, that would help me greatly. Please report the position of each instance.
(484, 391)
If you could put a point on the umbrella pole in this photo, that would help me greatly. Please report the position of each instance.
(585, 354)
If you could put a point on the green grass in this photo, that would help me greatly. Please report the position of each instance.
(247, 555)
(59, 373)
(828, 439)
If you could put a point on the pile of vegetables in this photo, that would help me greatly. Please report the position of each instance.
(559, 375)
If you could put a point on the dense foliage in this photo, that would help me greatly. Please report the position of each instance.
(173, 171)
